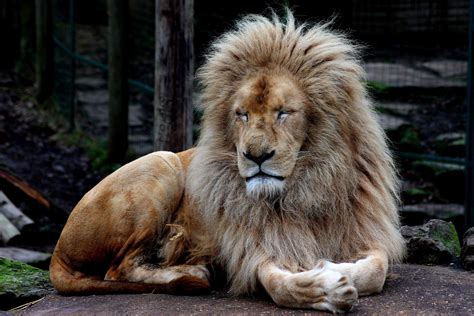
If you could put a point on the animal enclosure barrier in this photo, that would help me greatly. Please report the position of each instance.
(415, 55)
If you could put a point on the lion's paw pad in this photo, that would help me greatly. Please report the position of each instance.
(323, 289)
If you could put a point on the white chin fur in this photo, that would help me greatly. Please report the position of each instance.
(264, 187)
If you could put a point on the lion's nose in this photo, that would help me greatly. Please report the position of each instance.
(259, 159)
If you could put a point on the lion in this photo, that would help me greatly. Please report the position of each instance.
(291, 189)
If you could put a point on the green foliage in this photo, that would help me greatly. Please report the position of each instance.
(417, 192)
(449, 237)
(95, 149)
(376, 88)
(409, 136)
(416, 195)
(392, 112)
(433, 168)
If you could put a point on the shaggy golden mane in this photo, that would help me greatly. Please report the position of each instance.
(341, 200)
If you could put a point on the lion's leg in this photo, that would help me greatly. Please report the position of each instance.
(149, 274)
(368, 274)
(131, 264)
(319, 288)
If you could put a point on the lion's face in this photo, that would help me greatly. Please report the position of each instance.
(268, 114)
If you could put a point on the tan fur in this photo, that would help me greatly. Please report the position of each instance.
(341, 199)
(320, 228)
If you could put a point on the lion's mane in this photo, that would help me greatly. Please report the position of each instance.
(342, 197)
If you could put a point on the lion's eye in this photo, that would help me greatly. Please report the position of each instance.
(282, 115)
(243, 116)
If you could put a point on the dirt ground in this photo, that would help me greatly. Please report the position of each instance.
(29, 150)
(412, 290)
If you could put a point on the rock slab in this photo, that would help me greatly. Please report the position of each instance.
(467, 252)
(34, 258)
(21, 283)
(435, 242)
(412, 290)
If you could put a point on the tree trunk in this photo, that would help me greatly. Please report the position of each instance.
(118, 87)
(44, 49)
(24, 65)
(174, 65)
(9, 24)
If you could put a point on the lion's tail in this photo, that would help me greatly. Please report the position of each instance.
(68, 283)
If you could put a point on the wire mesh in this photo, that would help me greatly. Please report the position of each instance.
(415, 57)
(416, 62)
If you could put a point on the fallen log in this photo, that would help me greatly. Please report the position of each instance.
(12, 213)
(9, 179)
(7, 230)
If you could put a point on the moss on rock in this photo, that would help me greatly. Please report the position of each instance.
(435, 242)
(21, 283)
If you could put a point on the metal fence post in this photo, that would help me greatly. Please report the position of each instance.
(469, 197)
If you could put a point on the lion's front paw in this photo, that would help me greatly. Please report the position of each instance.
(199, 271)
(341, 294)
(320, 288)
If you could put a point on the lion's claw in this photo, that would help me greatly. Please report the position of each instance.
(320, 288)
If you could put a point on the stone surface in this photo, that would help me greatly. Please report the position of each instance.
(20, 283)
(435, 242)
(431, 169)
(93, 96)
(7, 230)
(91, 83)
(418, 214)
(447, 68)
(433, 210)
(416, 195)
(399, 108)
(467, 252)
(449, 137)
(34, 258)
(401, 75)
(411, 290)
(451, 144)
(390, 122)
(93, 103)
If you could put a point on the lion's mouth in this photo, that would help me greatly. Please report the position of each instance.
(264, 175)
